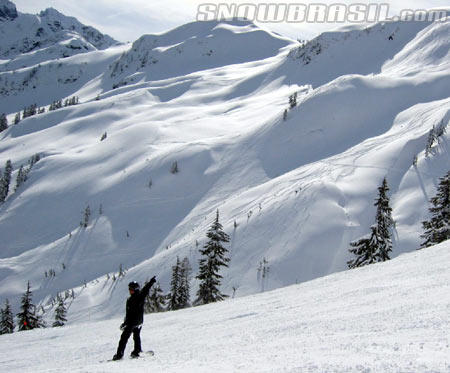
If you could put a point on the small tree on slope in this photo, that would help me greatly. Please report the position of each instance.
(7, 319)
(213, 258)
(437, 229)
(60, 312)
(384, 222)
(156, 300)
(28, 319)
(174, 287)
(5, 181)
(376, 246)
(3, 123)
(184, 289)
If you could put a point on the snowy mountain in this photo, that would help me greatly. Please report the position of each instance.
(194, 47)
(43, 57)
(292, 194)
(49, 35)
(387, 317)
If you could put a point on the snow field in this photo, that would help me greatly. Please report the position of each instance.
(387, 317)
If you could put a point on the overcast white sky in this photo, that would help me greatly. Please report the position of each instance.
(127, 20)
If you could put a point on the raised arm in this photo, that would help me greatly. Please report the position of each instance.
(145, 290)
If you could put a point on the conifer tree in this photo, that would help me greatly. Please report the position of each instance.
(5, 181)
(376, 246)
(384, 222)
(7, 319)
(174, 168)
(293, 100)
(430, 141)
(3, 122)
(17, 118)
(441, 129)
(60, 312)
(28, 318)
(174, 287)
(156, 300)
(213, 259)
(86, 216)
(22, 176)
(184, 289)
(365, 250)
(437, 228)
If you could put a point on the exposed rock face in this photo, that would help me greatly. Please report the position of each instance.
(8, 10)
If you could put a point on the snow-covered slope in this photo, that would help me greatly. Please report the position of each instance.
(293, 193)
(45, 57)
(353, 51)
(387, 317)
(194, 47)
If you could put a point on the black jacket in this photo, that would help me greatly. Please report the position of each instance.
(135, 306)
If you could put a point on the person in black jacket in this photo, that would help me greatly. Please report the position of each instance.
(134, 317)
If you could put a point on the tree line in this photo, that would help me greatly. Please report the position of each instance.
(29, 317)
(22, 176)
(33, 109)
(214, 257)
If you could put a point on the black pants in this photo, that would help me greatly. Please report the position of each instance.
(136, 330)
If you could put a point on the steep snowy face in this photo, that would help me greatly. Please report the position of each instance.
(8, 10)
(350, 51)
(430, 48)
(42, 37)
(194, 47)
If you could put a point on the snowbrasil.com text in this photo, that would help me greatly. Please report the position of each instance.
(313, 13)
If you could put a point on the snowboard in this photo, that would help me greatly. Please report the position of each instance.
(143, 354)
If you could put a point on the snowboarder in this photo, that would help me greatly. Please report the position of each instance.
(134, 317)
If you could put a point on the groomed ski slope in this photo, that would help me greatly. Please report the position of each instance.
(387, 317)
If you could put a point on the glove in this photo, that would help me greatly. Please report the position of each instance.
(122, 326)
(152, 280)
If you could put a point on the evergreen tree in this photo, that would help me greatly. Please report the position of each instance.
(7, 319)
(364, 249)
(376, 246)
(293, 100)
(17, 118)
(184, 289)
(213, 258)
(437, 229)
(156, 300)
(3, 122)
(174, 287)
(28, 318)
(86, 216)
(430, 141)
(174, 168)
(5, 181)
(60, 312)
(441, 129)
(22, 176)
(384, 222)
(34, 159)
(29, 111)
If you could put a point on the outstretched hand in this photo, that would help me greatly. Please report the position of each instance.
(152, 280)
